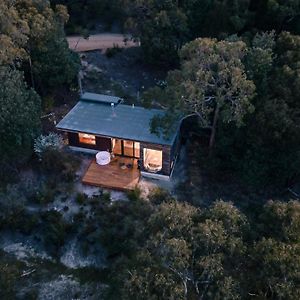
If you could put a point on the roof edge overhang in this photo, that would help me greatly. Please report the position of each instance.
(119, 137)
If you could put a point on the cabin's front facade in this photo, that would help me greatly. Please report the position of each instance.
(102, 123)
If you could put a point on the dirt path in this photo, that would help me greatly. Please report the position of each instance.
(100, 41)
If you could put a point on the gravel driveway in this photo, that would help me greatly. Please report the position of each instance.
(100, 41)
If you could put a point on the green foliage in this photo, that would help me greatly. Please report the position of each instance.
(9, 274)
(13, 215)
(134, 195)
(211, 84)
(54, 231)
(81, 198)
(229, 16)
(161, 27)
(164, 26)
(159, 195)
(281, 221)
(86, 14)
(266, 150)
(278, 14)
(33, 38)
(44, 194)
(111, 52)
(60, 164)
(53, 64)
(50, 141)
(177, 251)
(20, 116)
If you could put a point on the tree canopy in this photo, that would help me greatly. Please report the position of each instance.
(34, 58)
(267, 148)
(33, 37)
(176, 251)
(211, 83)
(20, 116)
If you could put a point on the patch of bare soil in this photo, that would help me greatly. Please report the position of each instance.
(100, 41)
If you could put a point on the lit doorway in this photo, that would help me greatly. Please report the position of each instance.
(126, 148)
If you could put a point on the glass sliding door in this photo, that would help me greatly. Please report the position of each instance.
(128, 148)
(137, 149)
(117, 146)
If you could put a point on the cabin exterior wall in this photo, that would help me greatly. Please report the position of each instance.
(169, 153)
(102, 143)
(166, 156)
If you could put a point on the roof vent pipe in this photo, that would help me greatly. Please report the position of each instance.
(113, 109)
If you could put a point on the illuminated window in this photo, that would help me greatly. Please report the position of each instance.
(128, 148)
(152, 160)
(136, 149)
(85, 138)
(117, 146)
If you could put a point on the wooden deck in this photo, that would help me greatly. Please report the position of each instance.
(113, 176)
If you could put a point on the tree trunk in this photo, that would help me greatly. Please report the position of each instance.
(214, 129)
(31, 72)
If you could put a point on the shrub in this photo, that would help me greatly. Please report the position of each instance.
(135, 194)
(43, 143)
(81, 198)
(8, 174)
(28, 223)
(48, 103)
(159, 195)
(54, 231)
(79, 217)
(16, 218)
(9, 276)
(44, 195)
(105, 197)
(61, 164)
(110, 52)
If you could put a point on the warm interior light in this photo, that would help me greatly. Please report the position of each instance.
(87, 138)
(152, 160)
(137, 149)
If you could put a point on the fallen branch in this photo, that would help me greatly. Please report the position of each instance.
(28, 272)
(48, 115)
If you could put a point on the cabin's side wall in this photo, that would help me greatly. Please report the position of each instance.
(102, 143)
(166, 157)
(175, 149)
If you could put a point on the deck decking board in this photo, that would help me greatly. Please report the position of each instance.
(112, 176)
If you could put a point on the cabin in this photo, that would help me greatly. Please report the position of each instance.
(102, 124)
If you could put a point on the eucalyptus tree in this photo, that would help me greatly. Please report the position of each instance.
(51, 63)
(19, 116)
(13, 33)
(32, 38)
(190, 251)
(161, 27)
(211, 83)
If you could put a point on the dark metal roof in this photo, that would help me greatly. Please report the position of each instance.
(100, 98)
(121, 121)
